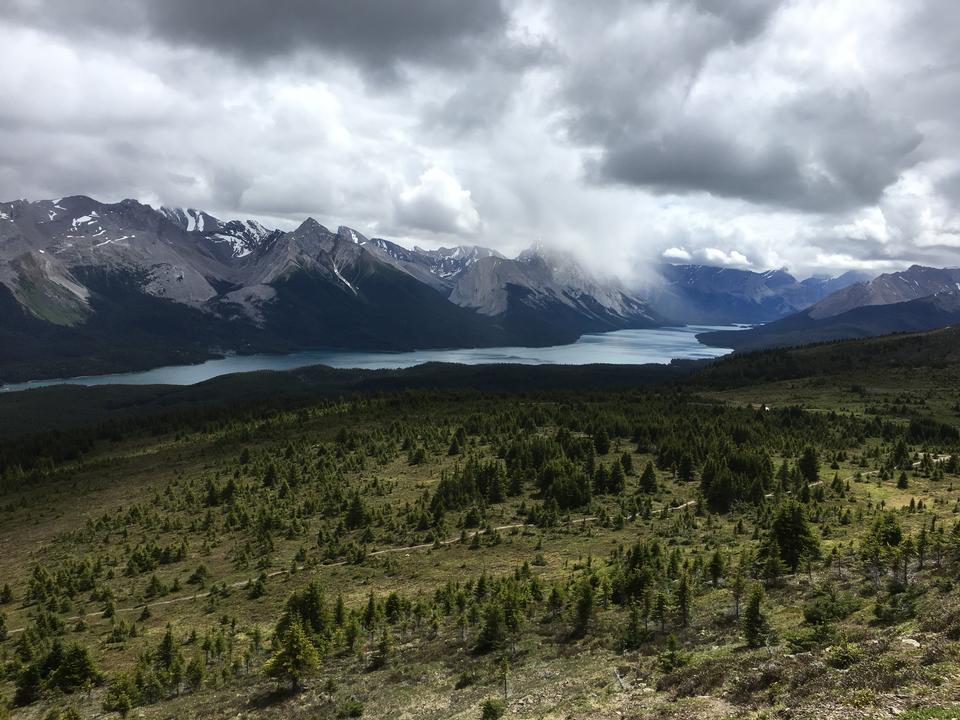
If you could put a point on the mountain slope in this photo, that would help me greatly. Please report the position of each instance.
(890, 288)
(925, 313)
(97, 287)
(716, 295)
(541, 295)
(437, 268)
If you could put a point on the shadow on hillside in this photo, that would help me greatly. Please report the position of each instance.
(275, 696)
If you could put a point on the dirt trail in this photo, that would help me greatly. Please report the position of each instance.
(382, 551)
(245, 583)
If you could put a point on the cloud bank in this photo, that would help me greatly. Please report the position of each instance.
(819, 135)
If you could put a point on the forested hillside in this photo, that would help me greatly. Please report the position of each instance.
(674, 551)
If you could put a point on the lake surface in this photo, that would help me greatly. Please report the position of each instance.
(623, 347)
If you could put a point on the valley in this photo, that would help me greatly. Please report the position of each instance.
(92, 288)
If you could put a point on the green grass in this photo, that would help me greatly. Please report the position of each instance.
(937, 713)
(148, 486)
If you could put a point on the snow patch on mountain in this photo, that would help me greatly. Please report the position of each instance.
(83, 220)
(342, 279)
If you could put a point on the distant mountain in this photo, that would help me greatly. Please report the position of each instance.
(925, 313)
(918, 298)
(88, 287)
(544, 293)
(437, 268)
(890, 288)
(704, 294)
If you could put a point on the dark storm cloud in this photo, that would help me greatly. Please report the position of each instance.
(821, 153)
(744, 19)
(377, 35)
(949, 187)
(641, 61)
(813, 133)
(466, 111)
(640, 108)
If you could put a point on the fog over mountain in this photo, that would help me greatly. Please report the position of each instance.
(816, 135)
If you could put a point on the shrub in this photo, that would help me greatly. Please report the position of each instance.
(672, 659)
(807, 639)
(696, 679)
(351, 708)
(895, 608)
(466, 680)
(844, 655)
(828, 605)
(492, 709)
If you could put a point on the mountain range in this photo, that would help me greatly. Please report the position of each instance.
(916, 299)
(705, 294)
(89, 287)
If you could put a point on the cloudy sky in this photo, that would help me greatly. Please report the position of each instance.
(816, 135)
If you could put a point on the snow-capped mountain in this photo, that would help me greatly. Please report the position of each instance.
(238, 238)
(95, 287)
(438, 268)
(88, 286)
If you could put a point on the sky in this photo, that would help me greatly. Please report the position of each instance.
(820, 136)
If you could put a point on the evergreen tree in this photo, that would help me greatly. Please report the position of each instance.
(755, 627)
(793, 534)
(617, 480)
(384, 650)
(357, 513)
(492, 709)
(661, 610)
(295, 658)
(601, 442)
(586, 600)
(600, 480)
(168, 660)
(648, 480)
(716, 568)
(900, 458)
(494, 630)
(195, 673)
(270, 477)
(635, 633)
(28, 685)
(683, 601)
(76, 670)
(809, 465)
(771, 561)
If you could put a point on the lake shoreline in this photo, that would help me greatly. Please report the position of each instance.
(630, 347)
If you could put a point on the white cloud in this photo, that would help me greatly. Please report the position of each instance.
(493, 149)
(677, 253)
(437, 204)
(715, 256)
